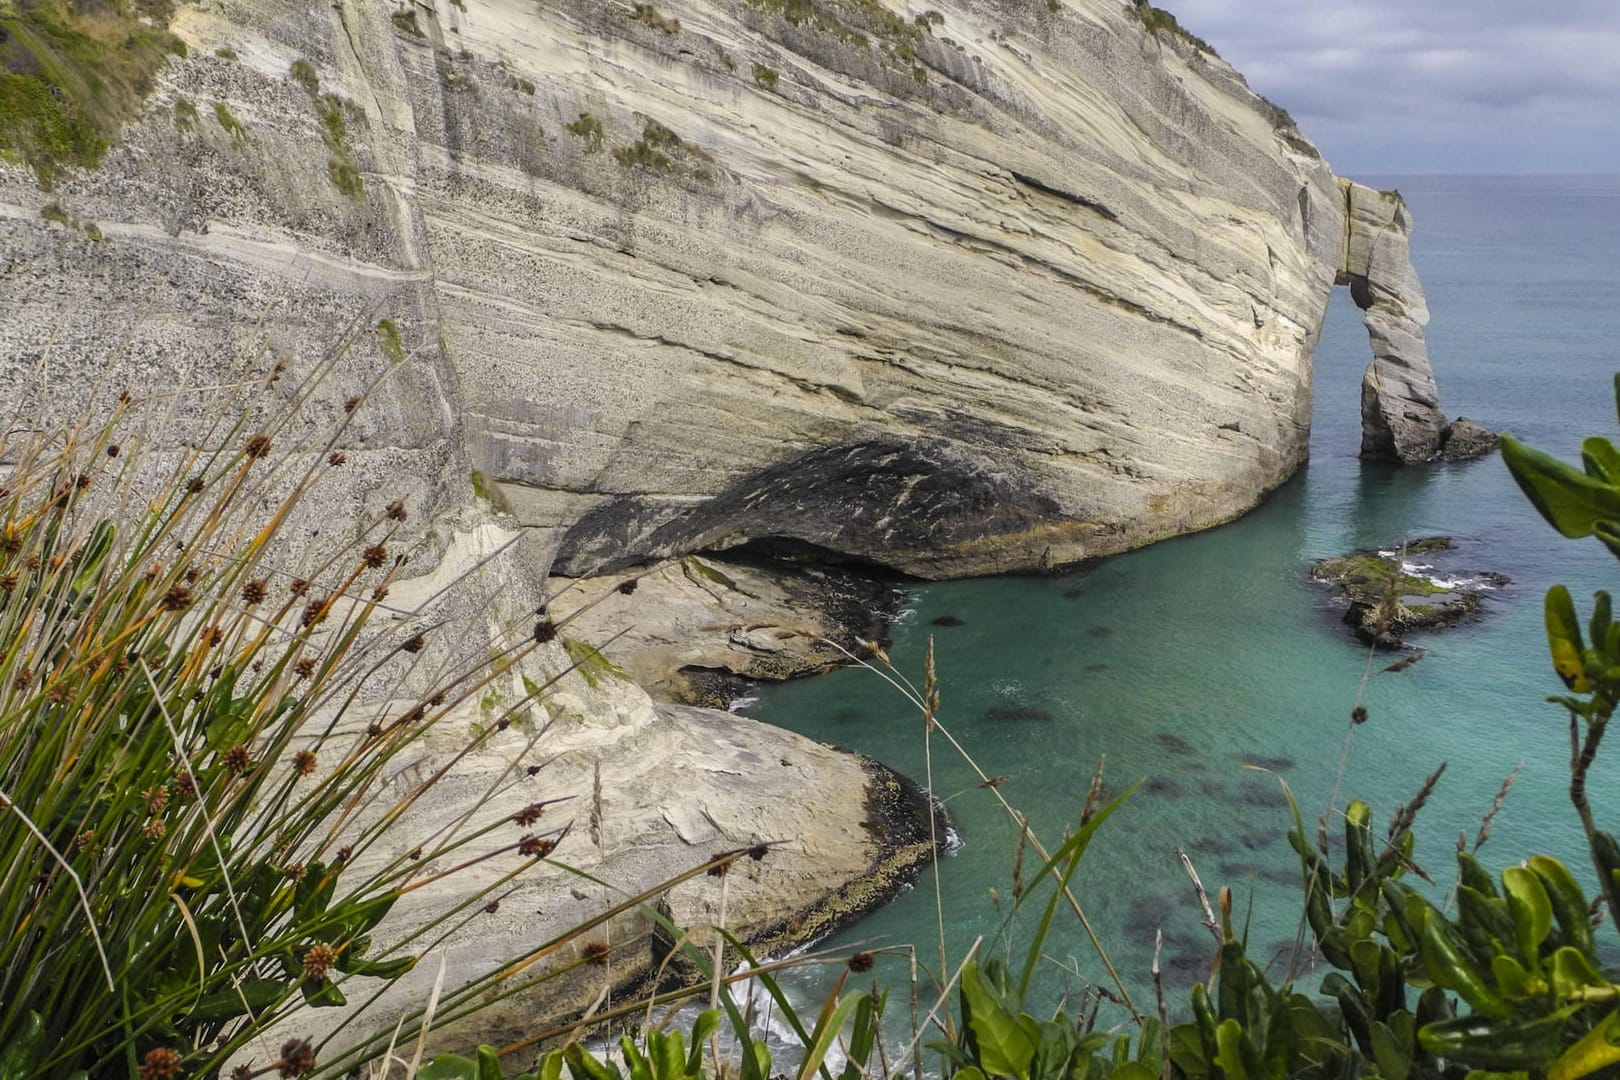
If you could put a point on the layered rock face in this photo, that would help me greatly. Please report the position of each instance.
(956, 288)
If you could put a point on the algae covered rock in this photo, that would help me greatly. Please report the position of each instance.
(1393, 591)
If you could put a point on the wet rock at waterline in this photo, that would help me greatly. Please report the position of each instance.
(1391, 592)
(1465, 439)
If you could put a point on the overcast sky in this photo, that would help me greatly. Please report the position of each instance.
(1409, 86)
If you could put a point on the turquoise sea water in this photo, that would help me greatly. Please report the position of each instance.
(1185, 660)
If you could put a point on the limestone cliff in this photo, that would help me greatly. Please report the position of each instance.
(956, 286)
(951, 286)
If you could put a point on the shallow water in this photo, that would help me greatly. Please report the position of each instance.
(1188, 660)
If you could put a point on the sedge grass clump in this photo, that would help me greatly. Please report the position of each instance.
(195, 805)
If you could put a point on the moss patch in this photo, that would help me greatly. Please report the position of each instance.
(72, 73)
(661, 150)
(863, 24)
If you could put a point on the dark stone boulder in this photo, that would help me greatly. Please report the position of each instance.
(1464, 439)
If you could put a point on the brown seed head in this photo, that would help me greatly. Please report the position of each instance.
(8, 582)
(304, 762)
(178, 598)
(81, 481)
(237, 760)
(194, 486)
(344, 854)
(375, 729)
(32, 562)
(242, 1072)
(298, 586)
(759, 851)
(545, 630)
(294, 871)
(537, 846)
(254, 592)
(316, 611)
(721, 869)
(305, 667)
(336, 458)
(184, 785)
(351, 404)
(414, 645)
(436, 700)
(112, 450)
(492, 907)
(257, 446)
(1358, 714)
(297, 1059)
(596, 952)
(154, 829)
(861, 962)
(529, 814)
(375, 557)
(160, 1063)
(627, 586)
(156, 798)
(379, 594)
(396, 511)
(23, 679)
(318, 961)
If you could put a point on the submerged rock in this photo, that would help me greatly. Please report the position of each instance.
(1388, 593)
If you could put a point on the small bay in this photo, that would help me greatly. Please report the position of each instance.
(1188, 661)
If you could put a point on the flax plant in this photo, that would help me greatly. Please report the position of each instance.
(201, 733)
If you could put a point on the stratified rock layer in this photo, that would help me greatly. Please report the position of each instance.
(957, 288)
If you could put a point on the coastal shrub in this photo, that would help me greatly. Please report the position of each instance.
(72, 74)
(229, 123)
(649, 15)
(765, 76)
(203, 723)
(589, 129)
(1159, 22)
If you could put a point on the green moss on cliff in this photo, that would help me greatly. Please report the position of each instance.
(73, 72)
(862, 24)
(1160, 22)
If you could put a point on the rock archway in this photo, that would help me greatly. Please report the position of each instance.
(1400, 413)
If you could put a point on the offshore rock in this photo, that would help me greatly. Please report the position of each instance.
(1400, 406)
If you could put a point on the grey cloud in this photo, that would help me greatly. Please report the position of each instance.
(1380, 84)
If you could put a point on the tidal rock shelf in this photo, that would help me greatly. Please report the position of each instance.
(1395, 591)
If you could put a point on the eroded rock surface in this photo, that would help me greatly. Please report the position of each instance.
(696, 627)
(1400, 405)
(997, 289)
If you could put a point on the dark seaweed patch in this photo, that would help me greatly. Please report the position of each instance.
(1016, 712)
(948, 620)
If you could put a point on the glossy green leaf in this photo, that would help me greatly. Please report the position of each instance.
(251, 995)
(1005, 1046)
(1568, 902)
(1532, 913)
(1597, 1049)
(19, 1058)
(1571, 501)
